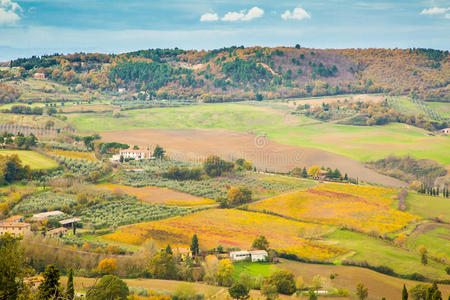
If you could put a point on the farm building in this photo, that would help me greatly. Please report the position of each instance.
(15, 228)
(46, 215)
(39, 76)
(445, 131)
(69, 222)
(182, 252)
(132, 154)
(56, 232)
(254, 256)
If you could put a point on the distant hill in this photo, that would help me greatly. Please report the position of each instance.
(237, 73)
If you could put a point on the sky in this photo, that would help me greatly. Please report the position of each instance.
(36, 27)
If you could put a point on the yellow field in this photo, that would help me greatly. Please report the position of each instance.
(33, 159)
(74, 154)
(156, 195)
(231, 228)
(365, 209)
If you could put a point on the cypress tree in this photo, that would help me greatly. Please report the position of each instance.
(169, 249)
(194, 245)
(404, 293)
(70, 292)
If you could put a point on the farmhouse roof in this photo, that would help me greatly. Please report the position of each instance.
(69, 221)
(133, 151)
(14, 224)
(258, 252)
(14, 219)
(239, 252)
(56, 230)
(47, 214)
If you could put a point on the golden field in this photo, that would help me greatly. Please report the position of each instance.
(157, 195)
(74, 154)
(361, 208)
(231, 228)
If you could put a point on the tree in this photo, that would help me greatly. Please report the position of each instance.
(225, 273)
(314, 171)
(246, 280)
(214, 166)
(433, 293)
(239, 195)
(107, 266)
(284, 281)
(49, 288)
(109, 287)
(70, 292)
(89, 142)
(261, 243)
(162, 266)
(419, 291)
(361, 291)
(404, 293)
(94, 176)
(195, 246)
(238, 291)
(169, 249)
(304, 173)
(159, 152)
(423, 254)
(12, 268)
(269, 291)
(312, 295)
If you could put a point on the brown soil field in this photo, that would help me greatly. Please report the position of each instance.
(379, 285)
(157, 195)
(265, 154)
(89, 108)
(351, 98)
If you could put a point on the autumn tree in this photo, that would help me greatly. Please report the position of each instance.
(162, 266)
(260, 243)
(284, 281)
(314, 171)
(107, 266)
(225, 273)
(239, 195)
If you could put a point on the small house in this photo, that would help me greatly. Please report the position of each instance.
(258, 255)
(445, 131)
(239, 255)
(254, 256)
(57, 232)
(39, 76)
(182, 252)
(15, 228)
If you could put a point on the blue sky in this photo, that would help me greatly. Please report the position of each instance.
(46, 26)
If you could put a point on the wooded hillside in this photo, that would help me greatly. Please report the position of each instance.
(236, 73)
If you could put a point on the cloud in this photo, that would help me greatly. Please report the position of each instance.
(435, 11)
(297, 14)
(9, 12)
(253, 13)
(209, 17)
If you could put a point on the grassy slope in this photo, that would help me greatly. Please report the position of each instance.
(361, 143)
(33, 159)
(428, 207)
(376, 252)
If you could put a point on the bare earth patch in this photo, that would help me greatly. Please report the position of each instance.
(196, 144)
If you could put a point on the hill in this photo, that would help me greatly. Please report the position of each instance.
(237, 73)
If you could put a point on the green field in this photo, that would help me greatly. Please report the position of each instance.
(434, 238)
(377, 252)
(34, 159)
(442, 107)
(359, 142)
(254, 269)
(428, 207)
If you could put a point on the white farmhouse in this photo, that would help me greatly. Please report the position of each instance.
(132, 154)
(254, 256)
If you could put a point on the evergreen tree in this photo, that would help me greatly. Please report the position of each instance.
(169, 249)
(49, 288)
(404, 293)
(194, 246)
(70, 292)
(304, 173)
